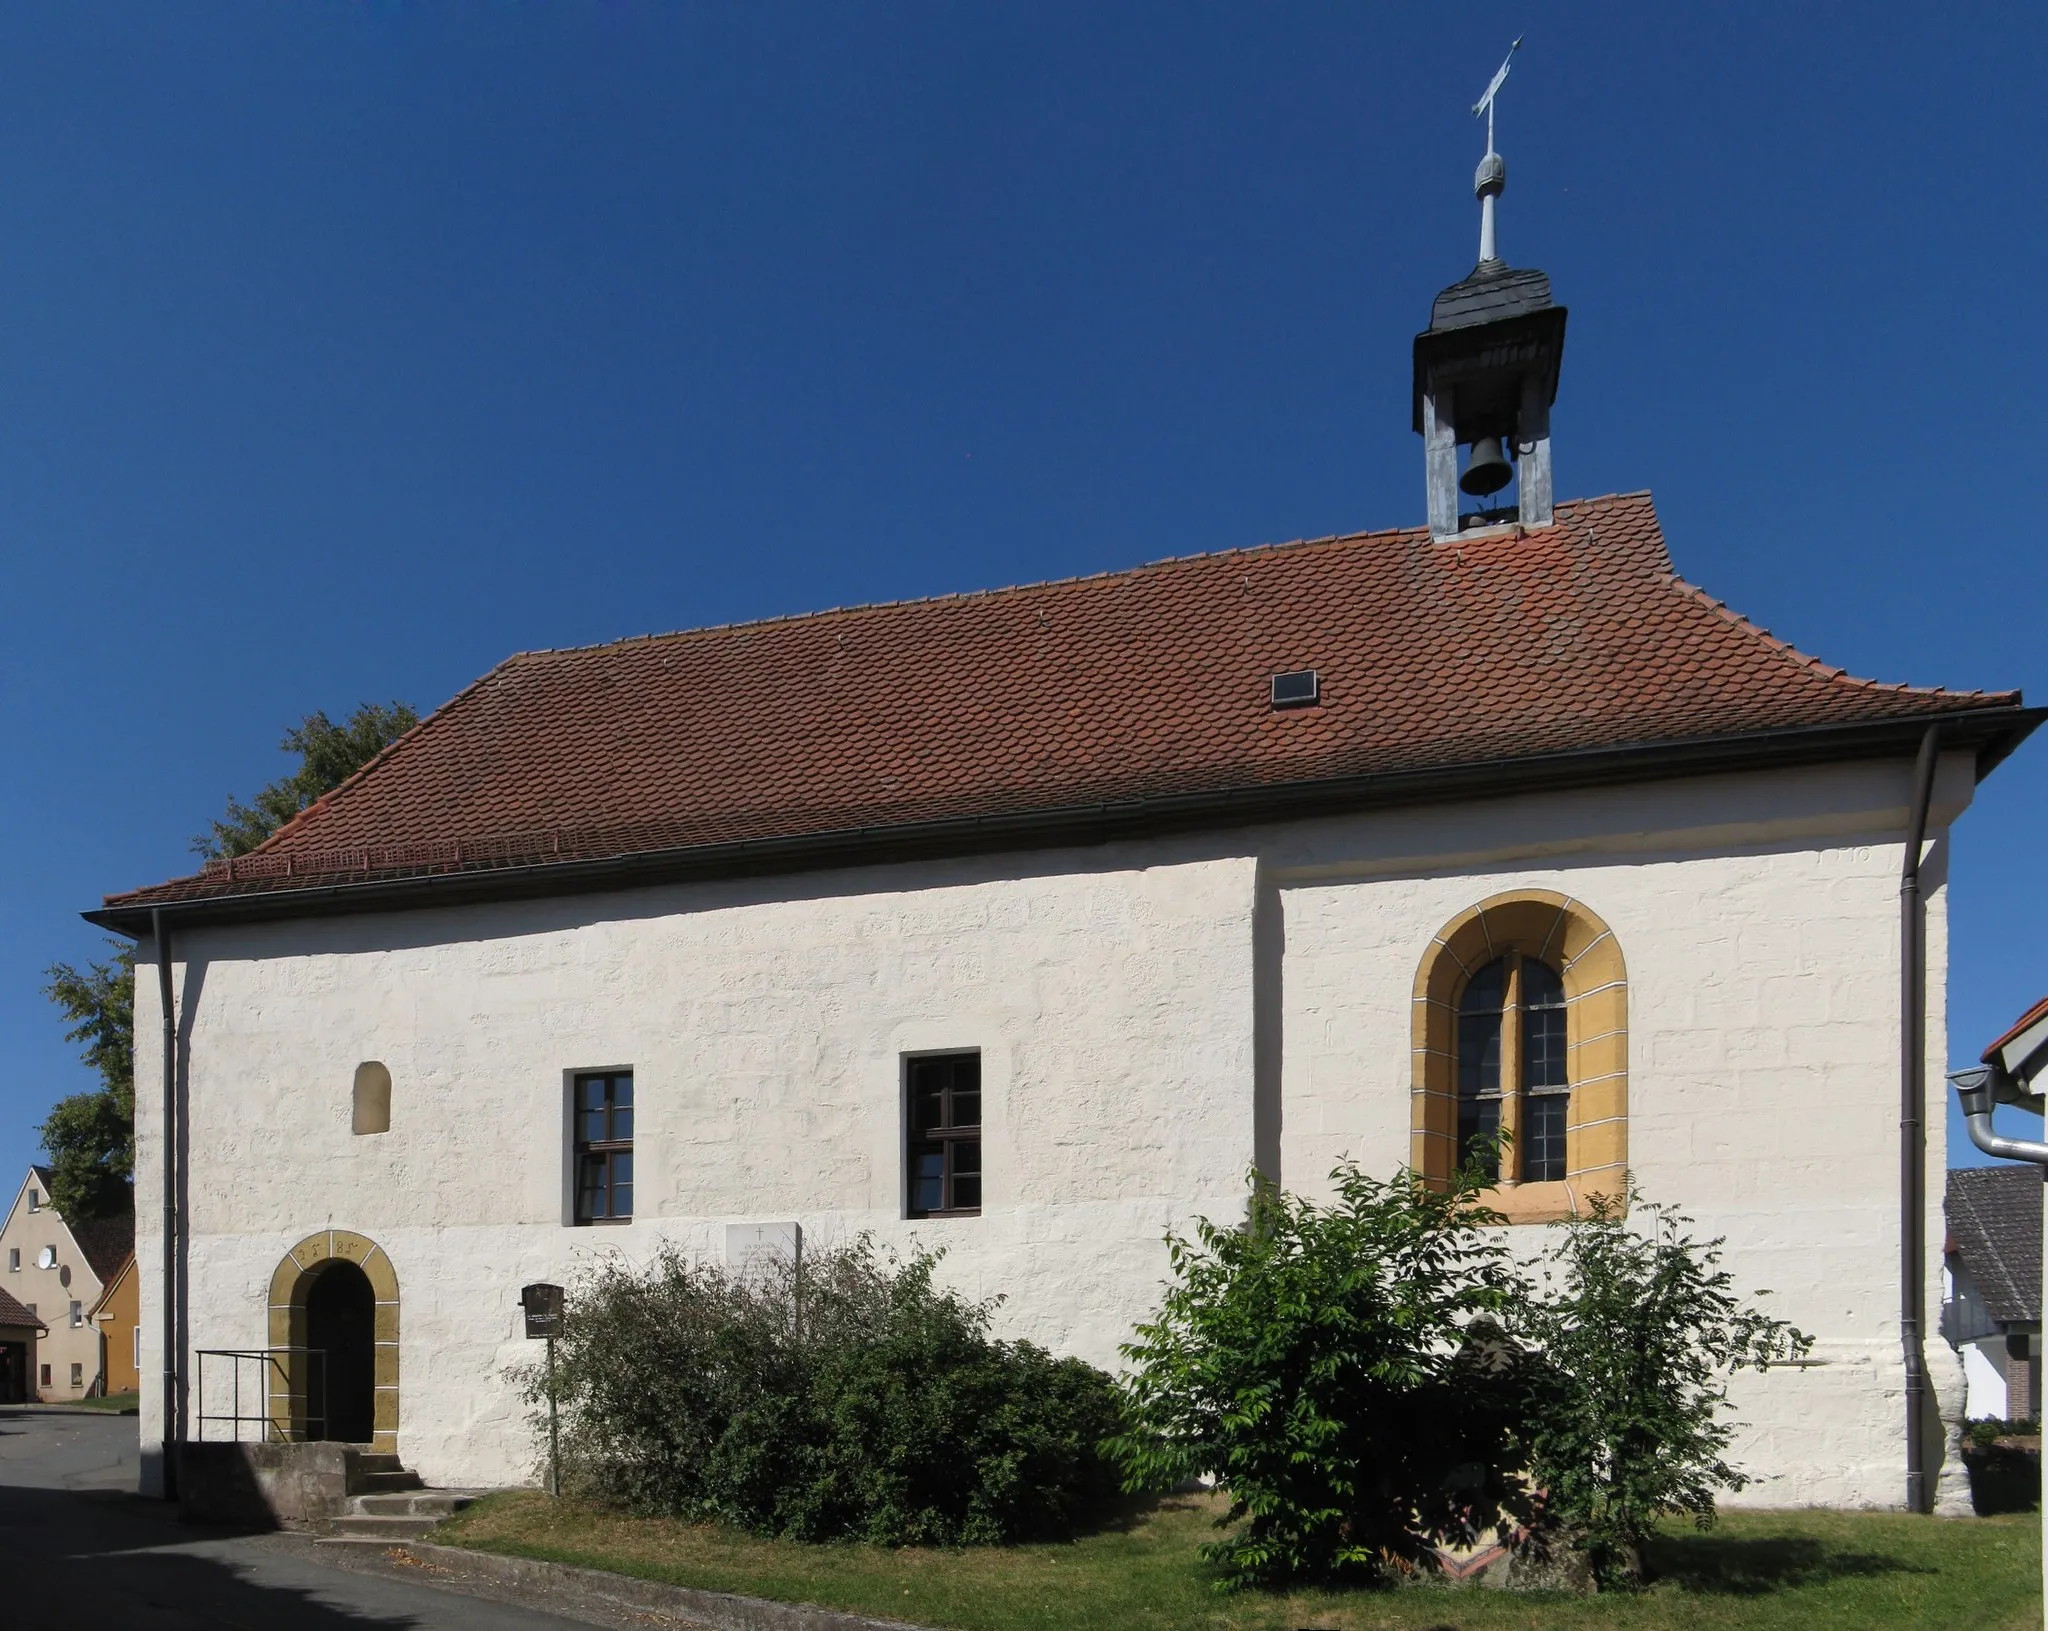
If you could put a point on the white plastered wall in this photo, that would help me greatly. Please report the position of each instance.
(1758, 917)
(765, 1025)
(1115, 994)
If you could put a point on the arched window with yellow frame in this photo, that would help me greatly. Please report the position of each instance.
(1521, 1025)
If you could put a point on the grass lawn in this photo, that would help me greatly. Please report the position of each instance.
(1784, 1570)
(116, 1402)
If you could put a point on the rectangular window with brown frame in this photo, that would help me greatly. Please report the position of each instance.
(943, 1121)
(603, 1137)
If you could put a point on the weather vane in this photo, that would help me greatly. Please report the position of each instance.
(1492, 179)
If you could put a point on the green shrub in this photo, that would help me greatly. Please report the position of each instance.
(1985, 1431)
(864, 1404)
(1374, 1379)
(1639, 1330)
(1316, 1362)
(2004, 1475)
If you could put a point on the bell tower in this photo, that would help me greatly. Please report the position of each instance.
(1486, 373)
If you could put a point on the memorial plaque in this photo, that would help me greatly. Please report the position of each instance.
(543, 1305)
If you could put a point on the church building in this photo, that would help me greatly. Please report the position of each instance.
(1026, 924)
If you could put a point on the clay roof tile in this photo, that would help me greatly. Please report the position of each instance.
(1085, 692)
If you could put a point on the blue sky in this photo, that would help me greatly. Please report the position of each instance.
(346, 348)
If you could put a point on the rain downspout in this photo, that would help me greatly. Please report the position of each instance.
(173, 1416)
(1912, 1126)
(1973, 1087)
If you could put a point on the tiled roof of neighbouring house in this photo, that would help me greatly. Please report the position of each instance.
(13, 1314)
(106, 1243)
(1994, 1226)
(1149, 684)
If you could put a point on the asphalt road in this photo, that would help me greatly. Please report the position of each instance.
(77, 1548)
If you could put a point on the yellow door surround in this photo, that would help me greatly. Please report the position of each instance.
(289, 1286)
(1567, 935)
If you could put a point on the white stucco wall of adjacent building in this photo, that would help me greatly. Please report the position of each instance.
(1152, 1018)
(1984, 1368)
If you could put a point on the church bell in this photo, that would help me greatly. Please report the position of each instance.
(1486, 377)
(1488, 470)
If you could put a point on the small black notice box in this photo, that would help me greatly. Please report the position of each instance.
(543, 1305)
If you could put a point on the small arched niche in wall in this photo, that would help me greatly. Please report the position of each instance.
(372, 1108)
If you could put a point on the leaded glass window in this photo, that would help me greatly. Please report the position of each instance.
(1546, 1089)
(1512, 1068)
(1479, 1027)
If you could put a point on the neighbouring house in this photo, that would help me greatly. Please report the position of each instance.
(57, 1270)
(1993, 1311)
(117, 1317)
(20, 1329)
(1026, 924)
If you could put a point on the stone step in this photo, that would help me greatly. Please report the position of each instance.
(376, 1470)
(365, 1526)
(421, 1503)
(403, 1513)
(383, 1483)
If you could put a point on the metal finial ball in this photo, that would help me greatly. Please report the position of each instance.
(1490, 180)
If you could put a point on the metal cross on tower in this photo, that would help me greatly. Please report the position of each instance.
(1492, 179)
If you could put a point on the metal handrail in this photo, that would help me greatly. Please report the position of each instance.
(285, 1384)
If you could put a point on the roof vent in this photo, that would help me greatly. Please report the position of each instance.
(1299, 689)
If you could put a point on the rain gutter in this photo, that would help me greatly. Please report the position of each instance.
(1994, 732)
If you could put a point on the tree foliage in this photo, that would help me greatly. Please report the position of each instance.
(328, 755)
(1337, 1369)
(1640, 1329)
(90, 1137)
(865, 1404)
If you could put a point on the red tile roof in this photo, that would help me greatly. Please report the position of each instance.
(1129, 686)
(14, 1316)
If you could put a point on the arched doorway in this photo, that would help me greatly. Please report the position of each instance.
(341, 1326)
(337, 1292)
